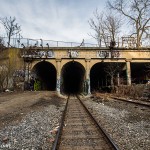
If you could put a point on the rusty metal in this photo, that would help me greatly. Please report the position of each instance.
(60, 127)
(131, 101)
(79, 131)
(100, 127)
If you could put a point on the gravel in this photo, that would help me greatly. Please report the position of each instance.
(128, 125)
(33, 132)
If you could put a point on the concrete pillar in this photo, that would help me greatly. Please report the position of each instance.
(128, 72)
(87, 78)
(58, 79)
(27, 70)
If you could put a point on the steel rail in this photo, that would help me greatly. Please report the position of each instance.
(56, 142)
(100, 127)
(59, 132)
(130, 101)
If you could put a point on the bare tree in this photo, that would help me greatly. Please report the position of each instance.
(113, 69)
(105, 26)
(11, 27)
(138, 13)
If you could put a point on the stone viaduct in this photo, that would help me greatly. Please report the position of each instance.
(80, 69)
(84, 67)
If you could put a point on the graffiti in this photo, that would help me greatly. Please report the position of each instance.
(18, 79)
(115, 54)
(19, 73)
(38, 54)
(87, 86)
(37, 85)
(58, 85)
(102, 54)
(108, 54)
(50, 54)
(73, 54)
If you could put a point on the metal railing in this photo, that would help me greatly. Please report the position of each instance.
(27, 42)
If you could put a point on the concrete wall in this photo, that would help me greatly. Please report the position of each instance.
(85, 56)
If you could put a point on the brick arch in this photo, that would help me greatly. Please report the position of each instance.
(72, 77)
(64, 62)
(44, 74)
(53, 62)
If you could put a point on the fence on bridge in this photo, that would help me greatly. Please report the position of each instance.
(27, 42)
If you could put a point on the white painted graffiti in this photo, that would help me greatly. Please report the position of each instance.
(73, 54)
(39, 54)
(19, 73)
(108, 54)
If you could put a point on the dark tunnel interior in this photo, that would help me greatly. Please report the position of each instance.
(72, 78)
(45, 72)
(100, 79)
(139, 74)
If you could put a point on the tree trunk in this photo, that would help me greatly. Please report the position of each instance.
(138, 42)
(112, 81)
(9, 40)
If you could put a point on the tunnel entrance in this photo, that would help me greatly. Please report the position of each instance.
(45, 73)
(140, 73)
(72, 78)
(101, 79)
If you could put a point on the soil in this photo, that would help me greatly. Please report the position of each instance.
(15, 105)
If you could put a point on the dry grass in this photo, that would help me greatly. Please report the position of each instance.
(133, 91)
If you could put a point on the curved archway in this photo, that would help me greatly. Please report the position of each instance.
(45, 72)
(142, 76)
(97, 74)
(104, 75)
(72, 78)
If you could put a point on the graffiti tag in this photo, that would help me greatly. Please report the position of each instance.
(108, 54)
(38, 54)
(73, 54)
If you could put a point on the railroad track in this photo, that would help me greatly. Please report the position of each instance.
(146, 104)
(115, 98)
(80, 131)
(136, 102)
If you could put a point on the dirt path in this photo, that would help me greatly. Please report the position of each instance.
(13, 106)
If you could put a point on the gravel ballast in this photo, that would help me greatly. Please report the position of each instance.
(127, 124)
(34, 130)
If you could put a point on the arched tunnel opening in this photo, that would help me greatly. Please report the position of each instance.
(103, 75)
(140, 73)
(45, 73)
(72, 78)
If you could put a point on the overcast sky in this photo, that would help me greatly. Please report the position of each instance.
(65, 20)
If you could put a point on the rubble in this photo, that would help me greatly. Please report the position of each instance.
(128, 125)
(36, 131)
